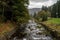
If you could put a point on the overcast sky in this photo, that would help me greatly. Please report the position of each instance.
(39, 3)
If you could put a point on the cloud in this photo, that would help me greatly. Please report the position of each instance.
(38, 0)
(36, 4)
(54, 0)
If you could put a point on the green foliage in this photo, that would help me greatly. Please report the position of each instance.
(55, 10)
(20, 11)
(14, 10)
(44, 15)
(44, 8)
(54, 24)
(53, 14)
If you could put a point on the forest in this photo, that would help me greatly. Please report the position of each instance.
(14, 16)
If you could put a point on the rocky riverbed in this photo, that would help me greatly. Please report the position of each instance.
(35, 32)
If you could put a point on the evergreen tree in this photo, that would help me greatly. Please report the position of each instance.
(55, 10)
(15, 10)
(58, 8)
(44, 13)
(53, 14)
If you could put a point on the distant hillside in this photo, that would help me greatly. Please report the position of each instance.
(34, 10)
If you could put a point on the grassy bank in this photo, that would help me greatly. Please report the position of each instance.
(6, 27)
(53, 23)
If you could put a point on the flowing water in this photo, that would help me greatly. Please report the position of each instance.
(35, 32)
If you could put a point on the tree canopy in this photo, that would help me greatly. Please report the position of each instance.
(14, 10)
(55, 10)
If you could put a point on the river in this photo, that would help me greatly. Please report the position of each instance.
(35, 32)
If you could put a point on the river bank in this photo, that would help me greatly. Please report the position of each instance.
(55, 34)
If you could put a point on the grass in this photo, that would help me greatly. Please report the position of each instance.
(6, 27)
(53, 23)
(54, 20)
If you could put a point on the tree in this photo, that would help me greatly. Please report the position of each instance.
(53, 13)
(6, 9)
(58, 8)
(15, 10)
(44, 13)
(55, 10)
(44, 8)
(20, 11)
